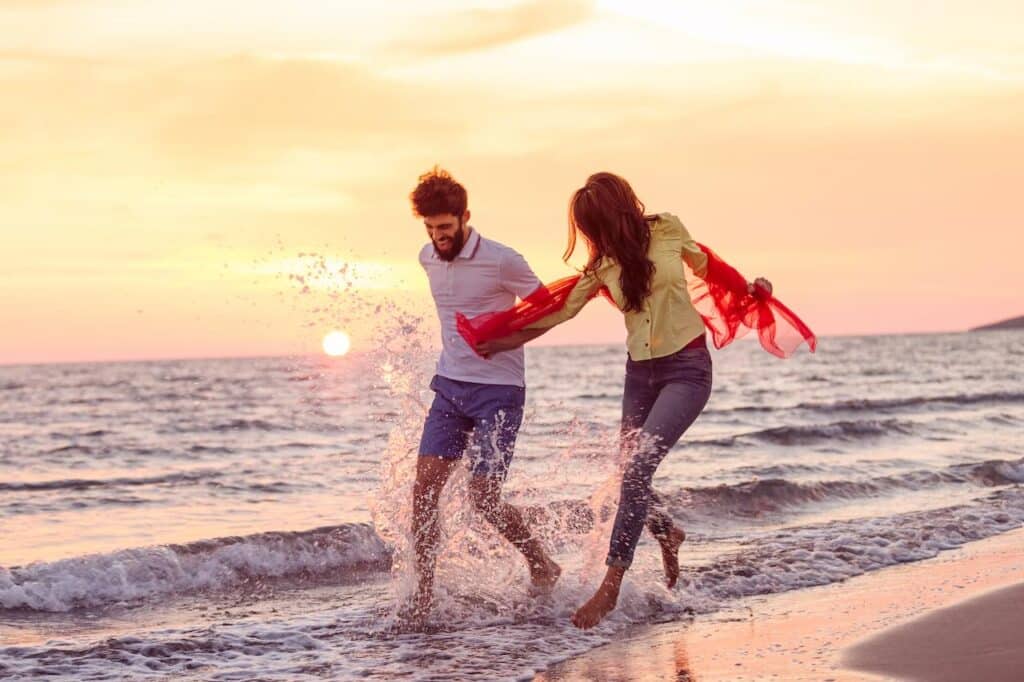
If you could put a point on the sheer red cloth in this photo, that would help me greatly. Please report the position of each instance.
(730, 311)
(545, 300)
(721, 297)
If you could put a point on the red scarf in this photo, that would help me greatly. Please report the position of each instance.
(721, 298)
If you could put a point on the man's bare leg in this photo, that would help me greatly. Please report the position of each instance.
(603, 601)
(485, 492)
(432, 472)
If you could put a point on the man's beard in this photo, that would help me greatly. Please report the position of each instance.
(455, 248)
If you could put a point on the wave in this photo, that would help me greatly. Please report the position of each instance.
(93, 433)
(83, 449)
(819, 555)
(992, 472)
(490, 640)
(757, 497)
(137, 574)
(248, 425)
(88, 483)
(847, 431)
(914, 401)
(213, 449)
(24, 506)
(170, 379)
(882, 404)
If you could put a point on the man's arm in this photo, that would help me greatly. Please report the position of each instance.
(517, 276)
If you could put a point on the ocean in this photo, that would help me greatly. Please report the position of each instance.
(247, 519)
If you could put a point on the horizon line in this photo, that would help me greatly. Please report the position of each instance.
(279, 356)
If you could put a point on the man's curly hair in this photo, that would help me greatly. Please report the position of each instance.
(437, 193)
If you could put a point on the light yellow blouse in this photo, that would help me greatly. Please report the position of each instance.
(668, 320)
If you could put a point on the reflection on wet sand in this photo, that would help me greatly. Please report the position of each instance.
(664, 657)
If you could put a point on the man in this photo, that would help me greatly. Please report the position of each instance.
(478, 403)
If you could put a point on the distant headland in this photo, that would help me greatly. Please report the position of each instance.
(1012, 323)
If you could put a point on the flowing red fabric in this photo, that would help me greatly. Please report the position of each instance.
(729, 310)
(545, 300)
(721, 297)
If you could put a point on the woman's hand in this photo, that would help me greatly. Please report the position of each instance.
(759, 283)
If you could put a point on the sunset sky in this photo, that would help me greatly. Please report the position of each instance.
(164, 164)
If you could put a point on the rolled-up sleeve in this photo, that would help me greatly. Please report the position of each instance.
(584, 290)
(691, 253)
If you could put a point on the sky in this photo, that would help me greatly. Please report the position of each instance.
(222, 178)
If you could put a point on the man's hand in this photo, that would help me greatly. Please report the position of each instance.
(759, 283)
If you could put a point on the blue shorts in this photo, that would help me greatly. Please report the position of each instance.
(480, 420)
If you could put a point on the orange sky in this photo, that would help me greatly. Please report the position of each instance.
(163, 164)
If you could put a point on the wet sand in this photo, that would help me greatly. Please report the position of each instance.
(886, 624)
(979, 639)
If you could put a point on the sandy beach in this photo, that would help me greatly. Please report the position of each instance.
(979, 639)
(955, 617)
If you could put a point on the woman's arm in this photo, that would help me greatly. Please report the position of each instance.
(581, 293)
(510, 342)
(585, 289)
(691, 253)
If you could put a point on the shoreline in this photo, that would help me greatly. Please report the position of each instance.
(820, 633)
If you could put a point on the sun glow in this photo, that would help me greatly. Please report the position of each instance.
(337, 344)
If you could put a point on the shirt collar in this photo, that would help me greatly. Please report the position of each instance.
(471, 245)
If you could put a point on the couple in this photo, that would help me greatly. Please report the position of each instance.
(637, 259)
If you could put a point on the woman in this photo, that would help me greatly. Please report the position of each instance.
(638, 259)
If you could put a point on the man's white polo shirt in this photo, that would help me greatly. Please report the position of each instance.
(485, 277)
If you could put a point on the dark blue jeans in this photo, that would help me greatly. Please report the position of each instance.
(662, 397)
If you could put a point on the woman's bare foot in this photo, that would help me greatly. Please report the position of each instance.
(670, 554)
(603, 602)
(543, 577)
(597, 607)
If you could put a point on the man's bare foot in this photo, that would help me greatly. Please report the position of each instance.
(413, 616)
(670, 554)
(543, 577)
(599, 606)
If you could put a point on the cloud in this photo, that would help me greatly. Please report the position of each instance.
(247, 108)
(32, 4)
(208, 113)
(39, 58)
(481, 29)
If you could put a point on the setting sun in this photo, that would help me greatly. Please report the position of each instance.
(337, 344)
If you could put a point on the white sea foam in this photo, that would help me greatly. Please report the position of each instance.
(143, 573)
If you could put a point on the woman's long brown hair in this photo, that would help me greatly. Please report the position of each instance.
(611, 219)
